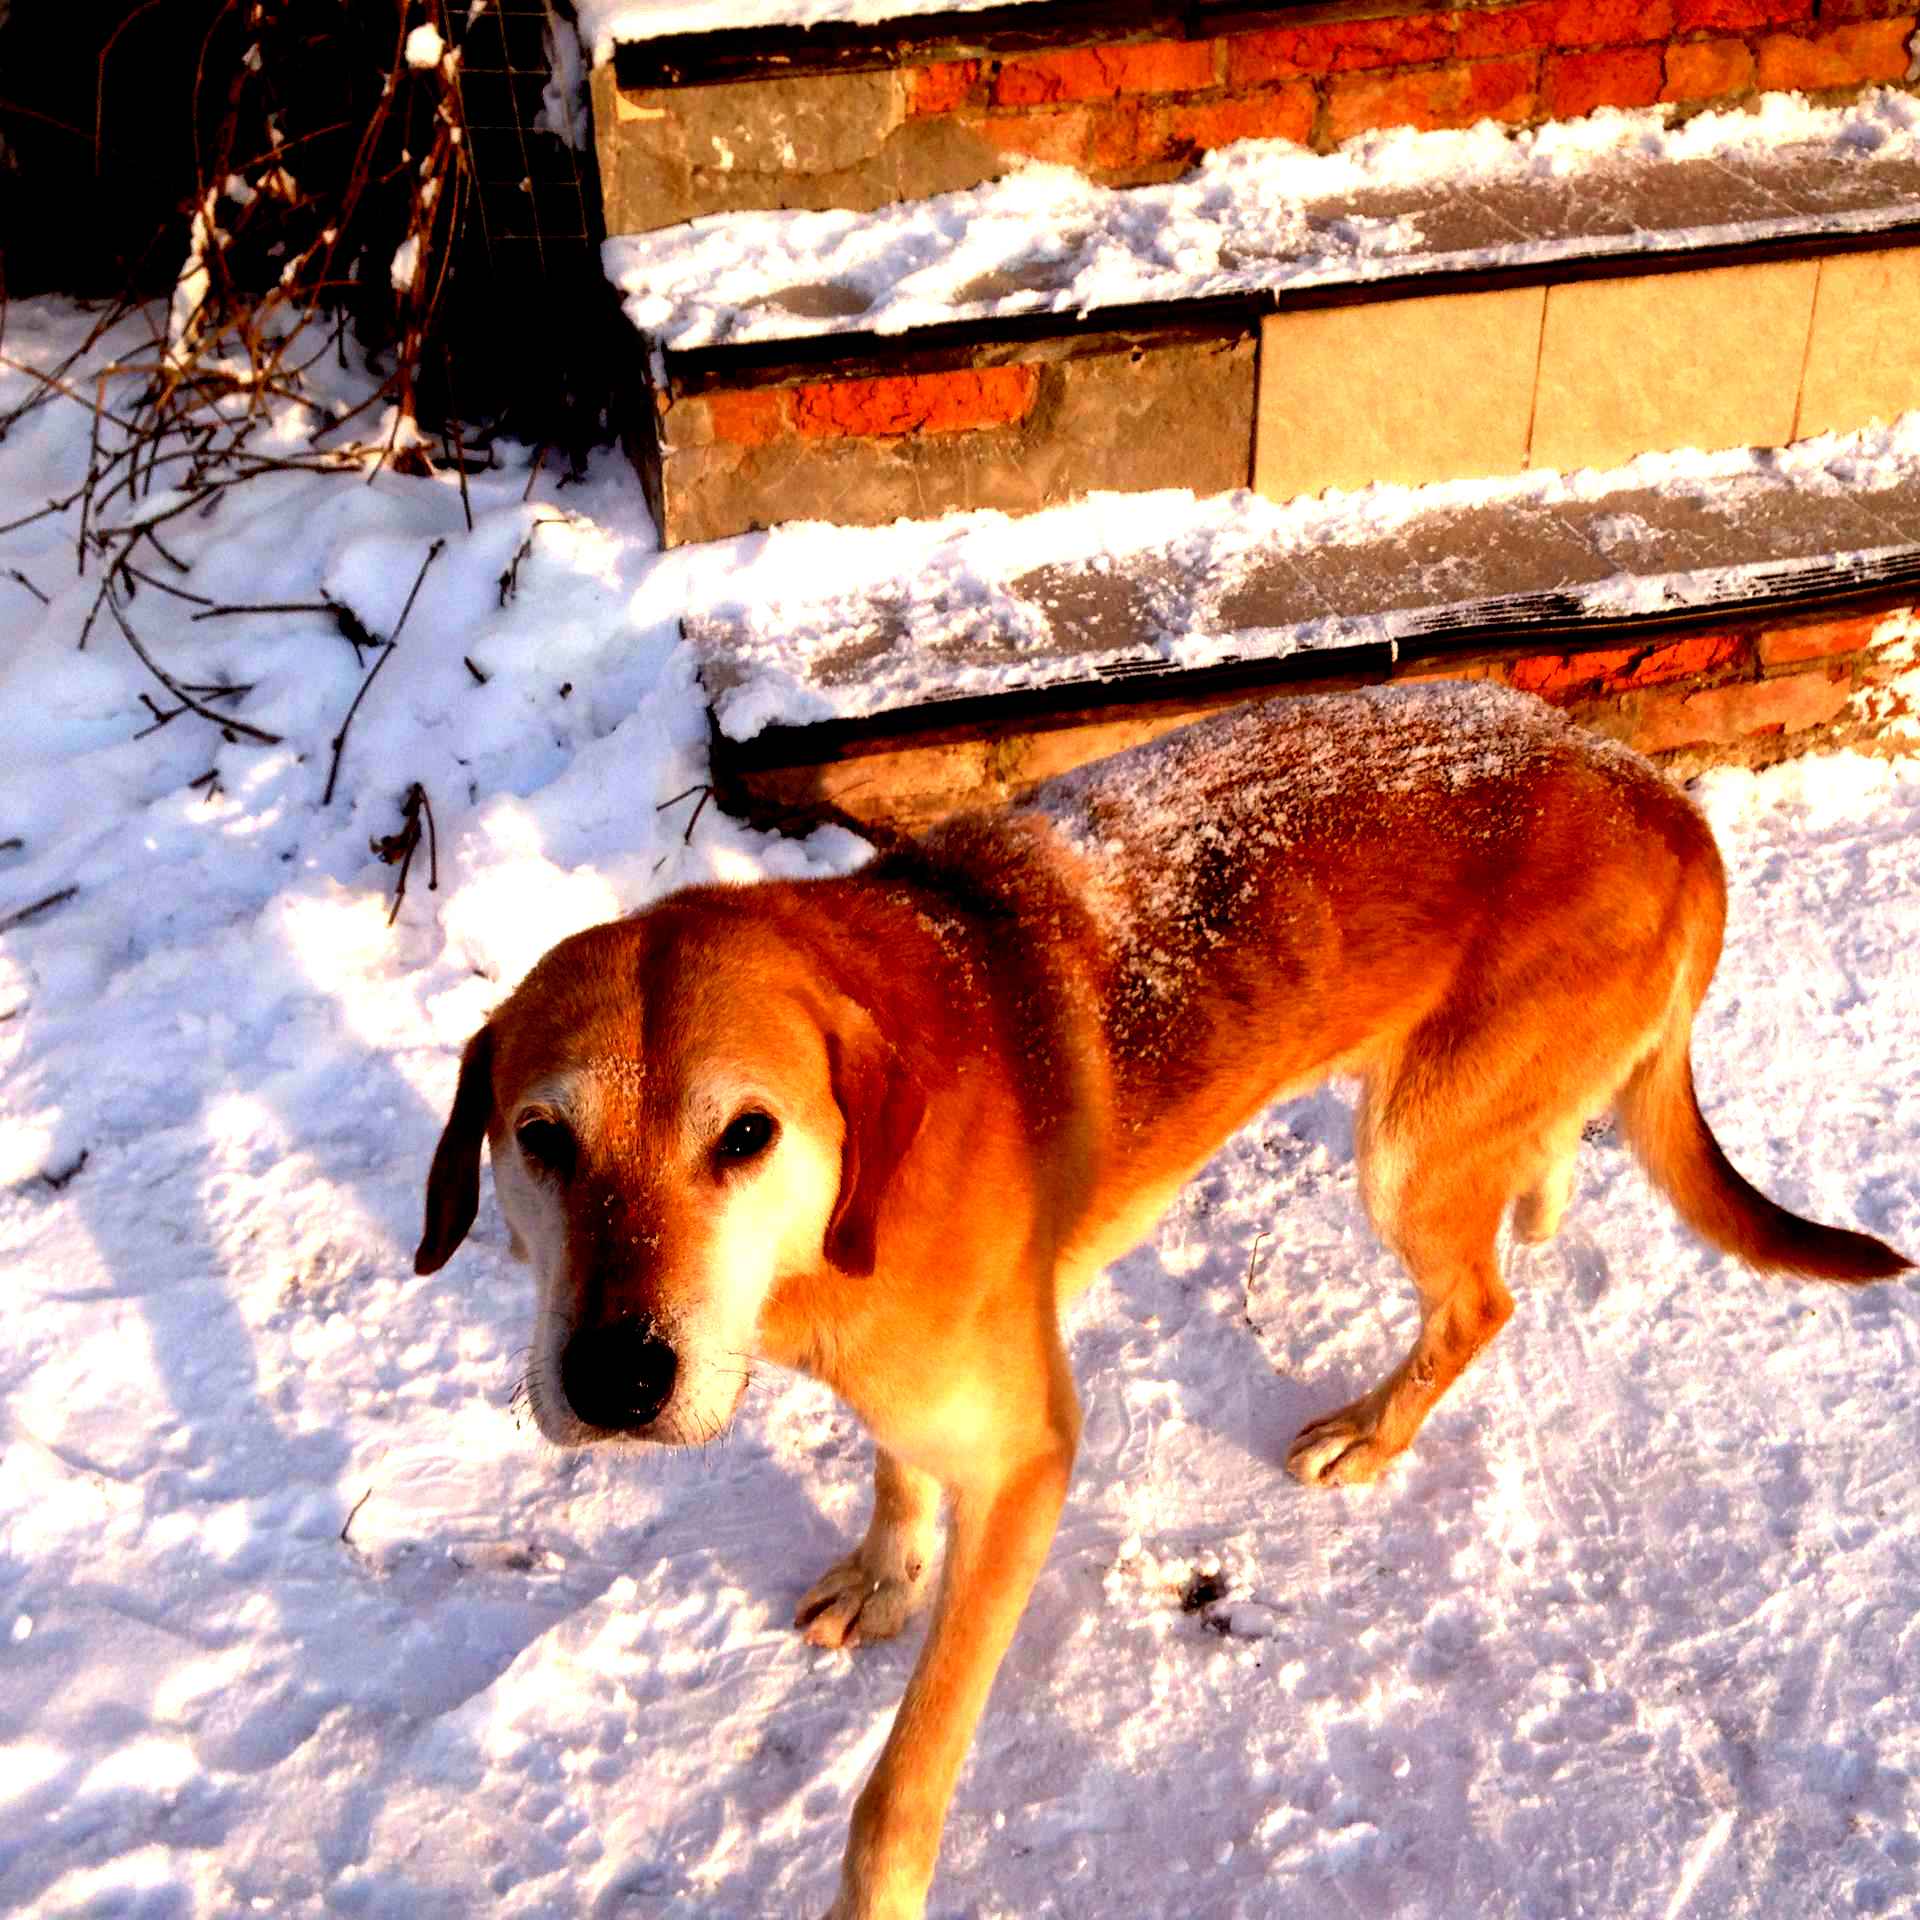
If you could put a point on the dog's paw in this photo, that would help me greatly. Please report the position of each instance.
(1344, 1449)
(850, 1603)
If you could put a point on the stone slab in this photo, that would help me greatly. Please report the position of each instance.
(1863, 361)
(1406, 391)
(1494, 552)
(1708, 359)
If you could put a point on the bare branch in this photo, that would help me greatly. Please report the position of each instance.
(373, 673)
(224, 721)
(21, 915)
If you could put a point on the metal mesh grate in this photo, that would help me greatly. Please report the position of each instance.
(532, 328)
(538, 196)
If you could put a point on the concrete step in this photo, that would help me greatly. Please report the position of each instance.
(1434, 307)
(1733, 608)
(855, 103)
(1281, 227)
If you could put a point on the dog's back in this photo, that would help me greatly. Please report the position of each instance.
(1312, 887)
(1500, 923)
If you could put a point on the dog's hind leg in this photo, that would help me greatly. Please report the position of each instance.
(1437, 1201)
(883, 1583)
(1541, 1206)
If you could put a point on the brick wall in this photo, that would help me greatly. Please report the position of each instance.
(1128, 113)
(1124, 412)
(1747, 694)
(1128, 110)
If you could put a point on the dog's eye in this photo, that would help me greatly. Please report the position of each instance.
(547, 1143)
(747, 1136)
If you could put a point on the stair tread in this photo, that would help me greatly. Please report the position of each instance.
(1163, 585)
(1267, 222)
(606, 24)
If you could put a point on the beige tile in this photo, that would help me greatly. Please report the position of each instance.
(1402, 390)
(1671, 360)
(1864, 360)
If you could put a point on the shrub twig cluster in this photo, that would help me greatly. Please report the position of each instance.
(331, 181)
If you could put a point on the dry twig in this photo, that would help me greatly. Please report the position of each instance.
(373, 673)
(21, 915)
(705, 791)
(399, 848)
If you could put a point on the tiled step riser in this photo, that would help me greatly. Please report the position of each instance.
(1586, 375)
(1740, 694)
(1412, 390)
(1131, 112)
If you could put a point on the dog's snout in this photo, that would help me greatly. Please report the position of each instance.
(618, 1376)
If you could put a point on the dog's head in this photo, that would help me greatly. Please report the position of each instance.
(687, 1112)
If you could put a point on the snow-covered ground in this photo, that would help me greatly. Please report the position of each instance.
(296, 1618)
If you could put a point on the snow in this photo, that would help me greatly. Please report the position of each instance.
(299, 1620)
(424, 47)
(957, 607)
(1262, 215)
(405, 267)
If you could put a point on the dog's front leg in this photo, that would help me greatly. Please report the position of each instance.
(1001, 1523)
(877, 1589)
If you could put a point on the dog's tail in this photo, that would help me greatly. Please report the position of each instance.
(1661, 1118)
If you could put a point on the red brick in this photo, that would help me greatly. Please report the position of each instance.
(748, 419)
(942, 88)
(1065, 137)
(1113, 136)
(1576, 83)
(1289, 53)
(1554, 674)
(1737, 16)
(1102, 73)
(1707, 69)
(1701, 653)
(1846, 57)
(1450, 96)
(1818, 640)
(1562, 23)
(1179, 132)
(914, 403)
(1722, 715)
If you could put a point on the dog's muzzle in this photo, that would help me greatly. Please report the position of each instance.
(619, 1376)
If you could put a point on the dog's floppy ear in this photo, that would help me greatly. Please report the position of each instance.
(453, 1183)
(882, 1105)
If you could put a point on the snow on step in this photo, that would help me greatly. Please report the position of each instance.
(1123, 584)
(1267, 217)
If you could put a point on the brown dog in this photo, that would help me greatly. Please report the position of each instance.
(880, 1128)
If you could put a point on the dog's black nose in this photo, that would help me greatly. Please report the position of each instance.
(618, 1376)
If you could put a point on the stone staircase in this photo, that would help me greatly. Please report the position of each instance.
(1745, 610)
(849, 306)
